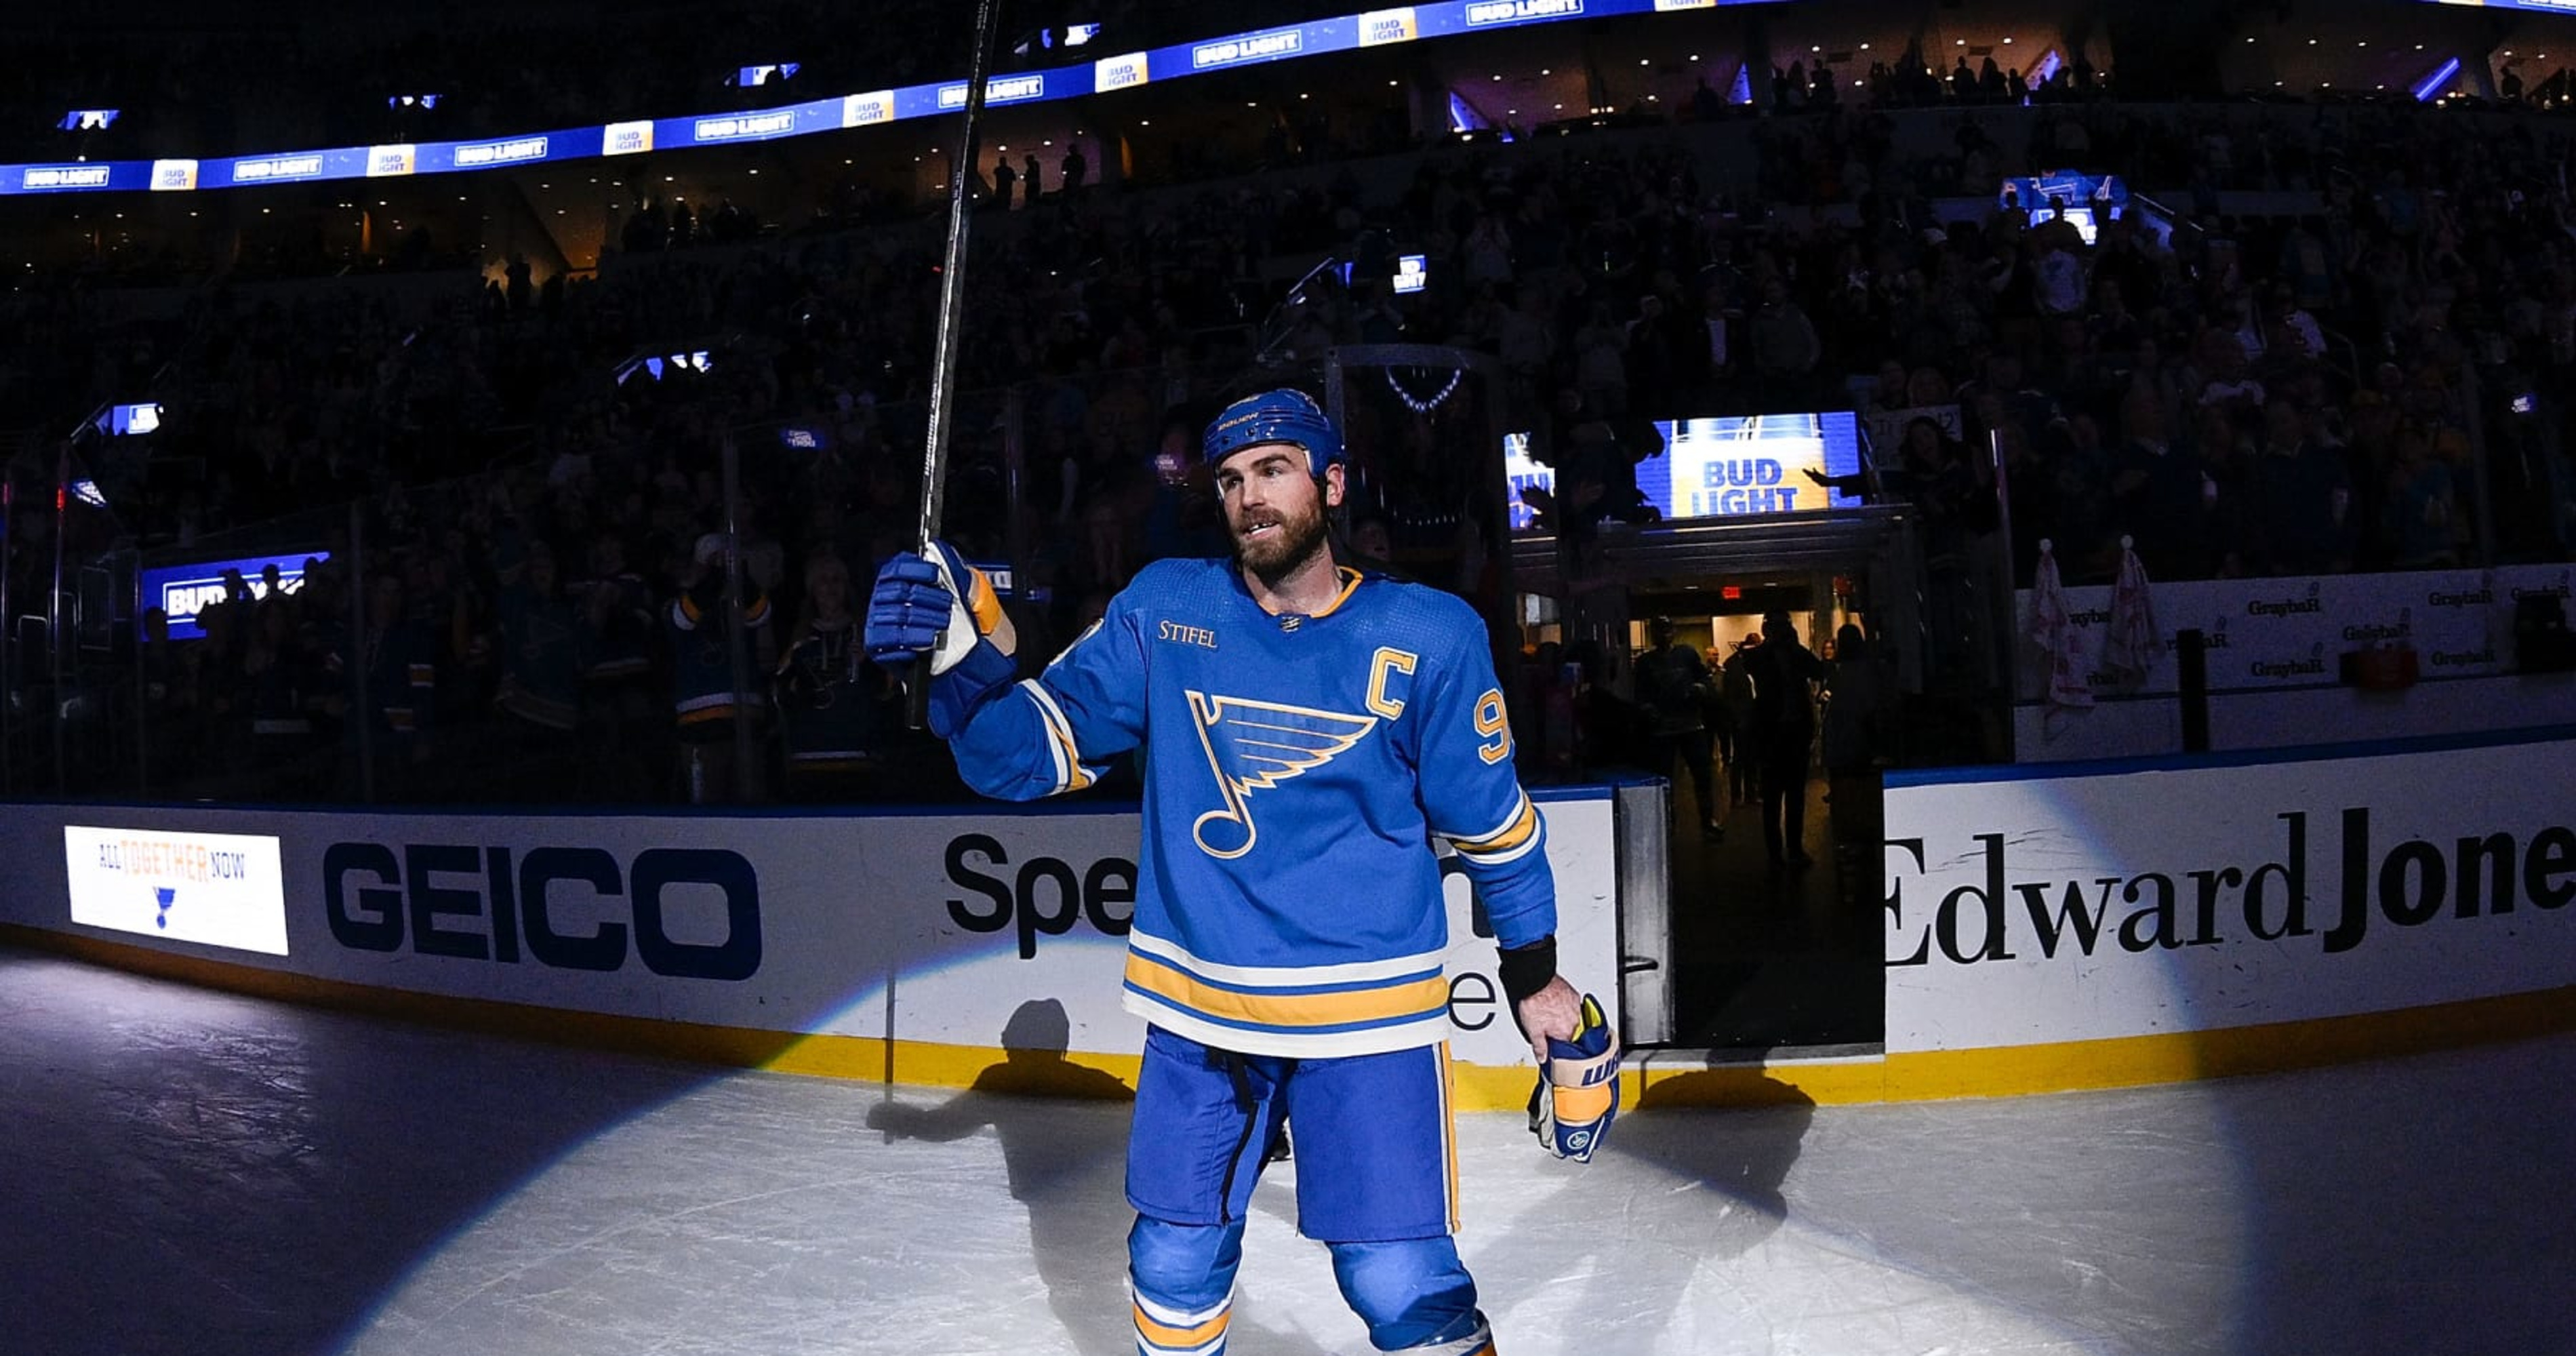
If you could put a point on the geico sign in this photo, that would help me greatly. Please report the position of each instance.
(475, 903)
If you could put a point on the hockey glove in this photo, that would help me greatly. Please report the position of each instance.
(1578, 1088)
(936, 605)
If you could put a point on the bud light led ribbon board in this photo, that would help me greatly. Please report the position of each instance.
(1080, 80)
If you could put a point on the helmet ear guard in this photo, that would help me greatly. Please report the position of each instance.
(1281, 416)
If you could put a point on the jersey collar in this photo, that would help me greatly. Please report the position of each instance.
(1290, 621)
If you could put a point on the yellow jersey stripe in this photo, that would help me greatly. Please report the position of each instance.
(1509, 836)
(1164, 1335)
(1391, 1003)
(1498, 857)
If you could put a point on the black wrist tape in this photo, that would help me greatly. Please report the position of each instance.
(1526, 970)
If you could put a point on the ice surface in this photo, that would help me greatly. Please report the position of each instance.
(199, 1173)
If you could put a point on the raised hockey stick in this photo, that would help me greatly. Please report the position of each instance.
(952, 296)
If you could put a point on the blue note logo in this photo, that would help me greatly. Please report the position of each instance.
(1254, 746)
(163, 895)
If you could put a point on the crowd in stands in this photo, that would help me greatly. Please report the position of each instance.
(2365, 379)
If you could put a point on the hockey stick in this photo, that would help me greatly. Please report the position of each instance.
(952, 295)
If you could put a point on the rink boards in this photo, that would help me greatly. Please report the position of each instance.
(2045, 928)
(909, 947)
(2140, 921)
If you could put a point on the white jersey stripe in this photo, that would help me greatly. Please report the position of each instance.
(1520, 806)
(1283, 976)
(1512, 854)
(1059, 731)
(1176, 1318)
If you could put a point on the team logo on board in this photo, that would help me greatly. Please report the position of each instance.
(1254, 746)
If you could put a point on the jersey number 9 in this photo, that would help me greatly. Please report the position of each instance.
(1495, 726)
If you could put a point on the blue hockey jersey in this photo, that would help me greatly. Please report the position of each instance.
(1288, 898)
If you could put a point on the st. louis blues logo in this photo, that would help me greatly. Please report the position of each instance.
(1254, 746)
(163, 895)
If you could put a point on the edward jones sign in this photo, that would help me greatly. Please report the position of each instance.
(2036, 909)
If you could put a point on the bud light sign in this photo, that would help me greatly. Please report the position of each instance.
(182, 592)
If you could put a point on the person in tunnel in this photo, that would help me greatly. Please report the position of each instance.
(1782, 735)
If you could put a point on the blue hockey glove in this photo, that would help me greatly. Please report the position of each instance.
(1578, 1088)
(936, 605)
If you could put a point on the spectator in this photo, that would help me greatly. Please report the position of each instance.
(1674, 692)
(1783, 735)
(2423, 509)
(2303, 496)
(1785, 347)
(833, 703)
(705, 699)
(541, 662)
(2156, 493)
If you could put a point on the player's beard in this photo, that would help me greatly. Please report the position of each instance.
(1281, 553)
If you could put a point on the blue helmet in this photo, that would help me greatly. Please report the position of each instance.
(1281, 416)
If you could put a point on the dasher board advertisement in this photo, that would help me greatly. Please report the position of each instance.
(922, 927)
(2130, 900)
(212, 889)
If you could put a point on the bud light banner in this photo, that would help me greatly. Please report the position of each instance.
(183, 592)
(1764, 463)
(2030, 908)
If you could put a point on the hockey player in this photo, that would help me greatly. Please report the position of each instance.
(1306, 729)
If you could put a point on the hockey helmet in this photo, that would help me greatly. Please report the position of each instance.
(1281, 416)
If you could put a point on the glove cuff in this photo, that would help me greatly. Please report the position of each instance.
(1527, 969)
(973, 680)
(977, 615)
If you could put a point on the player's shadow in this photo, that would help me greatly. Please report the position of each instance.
(1727, 1137)
(1063, 1129)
